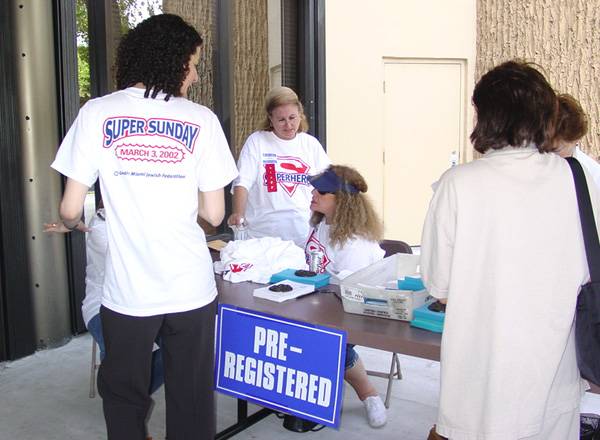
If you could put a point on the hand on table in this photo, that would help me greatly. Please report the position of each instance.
(235, 219)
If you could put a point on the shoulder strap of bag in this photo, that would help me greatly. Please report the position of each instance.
(588, 224)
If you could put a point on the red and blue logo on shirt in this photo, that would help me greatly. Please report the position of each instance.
(286, 171)
(120, 128)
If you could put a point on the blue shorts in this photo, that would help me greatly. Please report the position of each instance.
(351, 356)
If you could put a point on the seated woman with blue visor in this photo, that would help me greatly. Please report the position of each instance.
(345, 231)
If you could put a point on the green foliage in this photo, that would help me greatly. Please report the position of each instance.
(134, 11)
(131, 13)
(83, 68)
(83, 50)
(81, 17)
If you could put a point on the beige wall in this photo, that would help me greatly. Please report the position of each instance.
(562, 36)
(359, 36)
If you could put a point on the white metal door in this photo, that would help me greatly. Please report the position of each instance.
(424, 108)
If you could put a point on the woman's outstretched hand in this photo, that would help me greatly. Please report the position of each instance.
(60, 228)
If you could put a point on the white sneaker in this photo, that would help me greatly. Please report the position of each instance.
(376, 412)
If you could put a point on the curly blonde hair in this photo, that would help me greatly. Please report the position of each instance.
(282, 96)
(354, 213)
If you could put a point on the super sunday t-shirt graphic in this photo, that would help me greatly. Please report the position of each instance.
(156, 140)
(288, 172)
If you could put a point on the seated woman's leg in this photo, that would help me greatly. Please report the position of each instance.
(158, 374)
(94, 326)
(356, 376)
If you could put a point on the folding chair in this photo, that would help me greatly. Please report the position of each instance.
(392, 247)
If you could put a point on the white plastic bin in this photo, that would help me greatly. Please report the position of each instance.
(370, 291)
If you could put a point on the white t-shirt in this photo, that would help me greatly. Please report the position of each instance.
(152, 157)
(590, 164)
(96, 246)
(275, 173)
(341, 261)
(501, 241)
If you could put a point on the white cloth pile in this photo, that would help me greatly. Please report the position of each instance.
(258, 258)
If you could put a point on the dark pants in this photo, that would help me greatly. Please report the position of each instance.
(188, 357)
(95, 329)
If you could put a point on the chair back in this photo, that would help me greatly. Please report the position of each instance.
(392, 247)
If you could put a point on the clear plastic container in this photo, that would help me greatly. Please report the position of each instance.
(240, 232)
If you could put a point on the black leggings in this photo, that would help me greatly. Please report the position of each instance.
(188, 356)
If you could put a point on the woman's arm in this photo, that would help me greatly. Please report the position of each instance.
(240, 199)
(71, 205)
(211, 206)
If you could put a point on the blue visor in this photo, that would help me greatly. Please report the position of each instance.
(329, 182)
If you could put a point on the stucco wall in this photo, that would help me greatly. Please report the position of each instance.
(563, 36)
(250, 68)
(202, 15)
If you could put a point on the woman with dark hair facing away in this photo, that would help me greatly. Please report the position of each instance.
(346, 230)
(272, 193)
(501, 246)
(571, 127)
(162, 161)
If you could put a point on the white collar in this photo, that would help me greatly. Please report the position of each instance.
(531, 148)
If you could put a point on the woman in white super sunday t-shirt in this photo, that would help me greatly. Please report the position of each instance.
(346, 231)
(272, 193)
(162, 161)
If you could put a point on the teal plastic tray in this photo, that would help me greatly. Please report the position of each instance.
(318, 280)
(427, 319)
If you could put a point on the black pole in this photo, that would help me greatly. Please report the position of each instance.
(222, 86)
(17, 334)
(311, 64)
(65, 30)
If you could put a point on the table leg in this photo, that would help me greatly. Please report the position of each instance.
(243, 420)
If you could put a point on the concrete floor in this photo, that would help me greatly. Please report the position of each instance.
(45, 397)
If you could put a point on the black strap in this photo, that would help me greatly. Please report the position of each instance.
(588, 224)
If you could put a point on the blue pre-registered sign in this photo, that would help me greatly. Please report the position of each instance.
(288, 366)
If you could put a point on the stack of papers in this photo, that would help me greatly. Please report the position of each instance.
(298, 289)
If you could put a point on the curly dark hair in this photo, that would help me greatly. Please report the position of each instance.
(572, 122)
(156, 53)
(354, 214)
(515, 106)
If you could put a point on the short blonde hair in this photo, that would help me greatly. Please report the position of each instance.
(282, 96)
